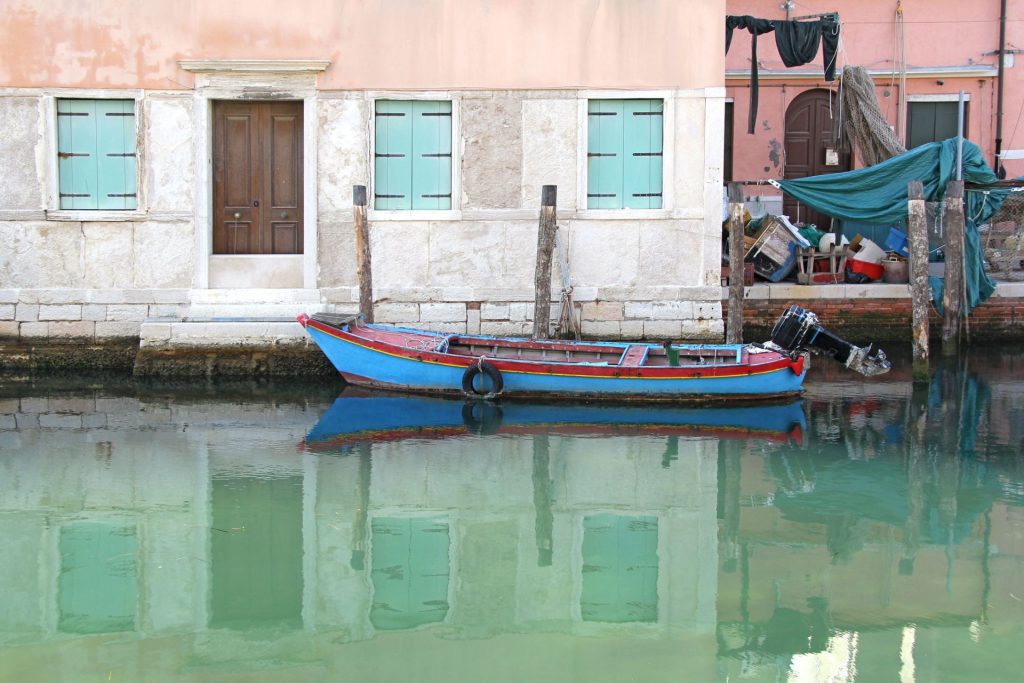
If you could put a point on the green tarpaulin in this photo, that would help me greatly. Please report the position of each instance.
(878, 194)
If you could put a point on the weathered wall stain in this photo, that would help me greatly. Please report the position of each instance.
(775, 152)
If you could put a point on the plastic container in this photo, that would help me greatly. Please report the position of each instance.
(870, 252)
(897, 241)
(875, 271)
(897, 271)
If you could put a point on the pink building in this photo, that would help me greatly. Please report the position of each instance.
(920, 53)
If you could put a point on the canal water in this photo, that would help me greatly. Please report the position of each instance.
(869, 532)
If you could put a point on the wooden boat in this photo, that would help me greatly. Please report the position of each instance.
(359, 416)
(488, 367)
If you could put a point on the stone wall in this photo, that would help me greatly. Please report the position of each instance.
(99, 275)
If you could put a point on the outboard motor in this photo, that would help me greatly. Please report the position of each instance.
(799, 330)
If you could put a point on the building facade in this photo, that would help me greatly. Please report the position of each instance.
(172, 163)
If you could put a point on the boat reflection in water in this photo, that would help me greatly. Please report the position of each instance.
(878, 539)
(359, 416)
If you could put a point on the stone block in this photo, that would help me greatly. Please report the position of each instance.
(400, 254)
(642, 310)
(7, 311)
(8, 422)
(662, 329)
(505, 329)
(703, 330)
(549, 150)
(466, 254)
(342, 153)
(492, 156)
(27, 421)
(107, 250)
(671, 310)
(111, 329)
(601, 329)
(94, 312)
(20, 186)
(170, 171)
(520, 312)
(602, 310)
(708, 311)
(94, 421)
(166, 311)
(41, 255)
(9, 296)
(494, 311)
(163, 255)
(71, 405)
(154, 331)
(79, 329)
(473, 321)
(9, 405)
(9, 329)
(60, 312)
(30, 330)
(604, 253)
(337, 254)
(443, 313)
(396, 313)
(631, 329)
(126, 312)
(60, 421)
(34, 405)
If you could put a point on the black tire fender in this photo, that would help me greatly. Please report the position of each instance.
(482, 418)
(482, 366)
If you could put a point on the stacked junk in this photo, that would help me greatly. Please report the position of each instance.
(776, 249)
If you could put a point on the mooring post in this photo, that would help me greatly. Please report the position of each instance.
(952, 297)
(734, 326)
(363, 271)
(920, 292)
(542, 277)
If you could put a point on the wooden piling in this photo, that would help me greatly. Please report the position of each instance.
(921, 294)
(952, 297)
(363, 270)
(542, 276)
(734, 325)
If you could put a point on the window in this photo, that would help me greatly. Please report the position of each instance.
(96, 154)
(932, 121)
(97, 589)
(412, 155)
(620, 568)
(410, 572)
(624, 154)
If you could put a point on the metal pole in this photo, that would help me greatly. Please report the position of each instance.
(960, 138)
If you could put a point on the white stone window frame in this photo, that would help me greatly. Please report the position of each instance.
(247, 80)
(53, 210)
(452, 214)
(667, 159)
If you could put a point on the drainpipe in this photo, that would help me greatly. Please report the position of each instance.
(1000, 171)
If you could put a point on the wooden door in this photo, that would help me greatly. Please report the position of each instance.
(257, 178)
(810, 136)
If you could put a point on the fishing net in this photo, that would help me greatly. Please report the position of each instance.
(863, 123)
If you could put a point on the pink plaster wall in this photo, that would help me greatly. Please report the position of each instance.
(937, 33)
(372, 44)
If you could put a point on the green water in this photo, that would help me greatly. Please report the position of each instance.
(869, 532)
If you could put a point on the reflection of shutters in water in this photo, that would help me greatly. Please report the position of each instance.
(410, 572)
(98, 586)
(256, 552)
(620, 568)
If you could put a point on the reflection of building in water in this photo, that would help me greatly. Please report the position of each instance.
(884, 549)
(199, 533)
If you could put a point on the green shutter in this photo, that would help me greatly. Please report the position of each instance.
(604, 154)
(393, 155)
(432, 155)
(620, 568)
(96, 154)
(97, 591)
(642, 124)
(76, 154)
(115, 145)
(410, 571)
(624, 154)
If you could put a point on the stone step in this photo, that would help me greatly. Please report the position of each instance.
(255, 310)
(221, 332)
(254, 296)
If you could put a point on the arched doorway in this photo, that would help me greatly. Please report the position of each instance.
(811, 130)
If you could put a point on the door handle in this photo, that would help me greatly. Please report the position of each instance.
(237, 215)
(256, 203)
(284, 214)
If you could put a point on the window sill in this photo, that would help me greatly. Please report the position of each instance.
(415, 215)
(624, 214)
(96, 216)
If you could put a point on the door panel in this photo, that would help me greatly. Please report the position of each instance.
(810, 123)
(257, 183)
